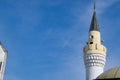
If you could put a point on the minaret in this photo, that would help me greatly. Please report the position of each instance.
(3, 56)
(94, 51)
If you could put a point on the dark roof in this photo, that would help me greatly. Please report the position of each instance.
(110, 74)
(94, 24)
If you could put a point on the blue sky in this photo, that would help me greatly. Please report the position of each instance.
(45, 38)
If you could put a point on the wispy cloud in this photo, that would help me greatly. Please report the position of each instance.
(11, 77)
(61, 48)
(101, 6)
(112, 57)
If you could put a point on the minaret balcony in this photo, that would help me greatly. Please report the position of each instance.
(95, 48)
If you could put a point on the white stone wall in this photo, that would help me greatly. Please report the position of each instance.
(3, 55)
(96, 37)
(93, 72)
(94, 64)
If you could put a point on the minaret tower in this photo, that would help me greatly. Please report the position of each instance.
(3, 56)
(94, 51)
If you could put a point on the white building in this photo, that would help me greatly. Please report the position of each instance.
(94, 51)
(3, 55)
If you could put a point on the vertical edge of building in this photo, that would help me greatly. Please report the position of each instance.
(3, 57)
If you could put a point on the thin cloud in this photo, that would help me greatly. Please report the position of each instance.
(11, 77)
(101, 6)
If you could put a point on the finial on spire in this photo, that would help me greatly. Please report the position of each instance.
(94, 24)
(94, 5)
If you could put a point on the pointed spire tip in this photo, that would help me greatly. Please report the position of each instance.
(94, 5)
(94, 23)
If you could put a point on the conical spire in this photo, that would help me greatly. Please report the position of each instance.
(94, 24)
